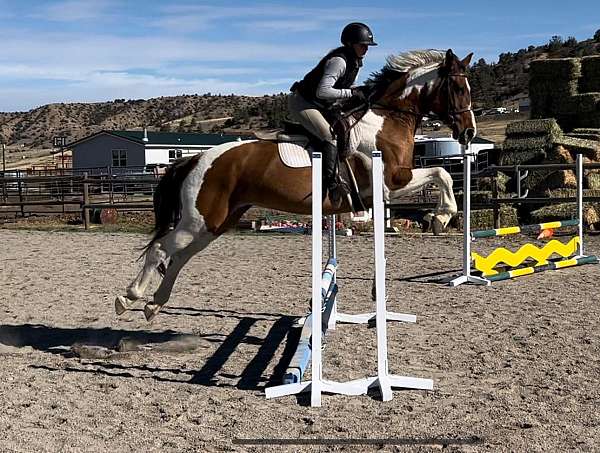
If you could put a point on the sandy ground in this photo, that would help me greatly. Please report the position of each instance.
(516, 365)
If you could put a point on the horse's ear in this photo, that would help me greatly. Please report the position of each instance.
(449, 58)
(467, 60)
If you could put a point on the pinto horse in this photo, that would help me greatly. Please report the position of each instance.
(206, 194)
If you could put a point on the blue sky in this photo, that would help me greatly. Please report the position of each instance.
(98, 50)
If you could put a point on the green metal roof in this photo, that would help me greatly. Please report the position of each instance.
(177, 138)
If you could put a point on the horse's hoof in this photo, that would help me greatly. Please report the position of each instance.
(150, 311)
(122, 304)
(437, 227)
(133, 294)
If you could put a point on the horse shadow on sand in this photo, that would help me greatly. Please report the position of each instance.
(106, 349)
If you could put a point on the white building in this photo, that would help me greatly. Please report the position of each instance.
(127, 151)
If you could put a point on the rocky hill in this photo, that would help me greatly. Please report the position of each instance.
(508, 80)
(202, 113)
(492, 84)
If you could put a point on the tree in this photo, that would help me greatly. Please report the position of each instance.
(571, 41)
(597, 36)
(555, 43)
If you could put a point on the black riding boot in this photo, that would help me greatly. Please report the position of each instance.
(330, 175)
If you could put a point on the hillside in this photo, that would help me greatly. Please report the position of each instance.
(505, 82)
(492, 85)
(202, 113)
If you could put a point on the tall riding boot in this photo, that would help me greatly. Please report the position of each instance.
(330, 174)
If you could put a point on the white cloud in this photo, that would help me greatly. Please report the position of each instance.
(74, 10)
(100, 87)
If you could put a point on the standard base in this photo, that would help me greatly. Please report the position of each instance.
(469, 279)
(352, 388)
(366, 318)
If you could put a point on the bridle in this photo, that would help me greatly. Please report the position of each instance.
(451, 112)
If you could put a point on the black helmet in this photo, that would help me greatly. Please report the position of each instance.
(357, 33)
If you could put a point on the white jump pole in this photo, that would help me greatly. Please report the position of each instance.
(317, 265)
(466, 276)
(579, 163)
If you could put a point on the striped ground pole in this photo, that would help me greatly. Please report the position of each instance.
(524, 229)
(301, 358)
(578, 261)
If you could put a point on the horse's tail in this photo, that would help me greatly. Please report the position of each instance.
(167, 197)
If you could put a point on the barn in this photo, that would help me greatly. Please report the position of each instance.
(135, 151)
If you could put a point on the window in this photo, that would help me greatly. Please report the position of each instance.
(174, 154)
(119, 158)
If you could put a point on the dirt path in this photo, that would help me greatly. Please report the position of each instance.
(516, 365)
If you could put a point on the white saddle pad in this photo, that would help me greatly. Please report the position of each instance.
(295, 154)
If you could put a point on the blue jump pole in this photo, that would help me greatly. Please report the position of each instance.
(301, 358)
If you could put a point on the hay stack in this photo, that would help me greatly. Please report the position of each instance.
(539, 181)
(484, 218)
(587, 130)
(590, 74)
(564, 211)
(567, 89)
(540, 127)
(589, 148)
(566, 193)
(552, 83)
(487, 183)
(527, 142)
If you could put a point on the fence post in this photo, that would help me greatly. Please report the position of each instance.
(86, 201)
(20, 186)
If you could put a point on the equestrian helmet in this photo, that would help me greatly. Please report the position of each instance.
(357, 33)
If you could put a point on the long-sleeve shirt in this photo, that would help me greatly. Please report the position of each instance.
(334, 69)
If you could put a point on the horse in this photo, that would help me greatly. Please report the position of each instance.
(206, 194)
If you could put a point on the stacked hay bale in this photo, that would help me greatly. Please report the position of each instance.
(536, 142)
(541, 141)
(567, 89)
(590, 75)
(564, 95)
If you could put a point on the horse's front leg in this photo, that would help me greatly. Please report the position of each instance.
(446, 206)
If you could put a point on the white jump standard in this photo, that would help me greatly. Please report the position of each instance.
(324, 313)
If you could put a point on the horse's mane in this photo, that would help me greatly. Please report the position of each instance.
(405, 62)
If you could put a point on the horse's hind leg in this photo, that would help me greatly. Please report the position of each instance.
(446, 207)
(177, 261)
(225, 220)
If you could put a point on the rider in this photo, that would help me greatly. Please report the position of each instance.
(330, 81)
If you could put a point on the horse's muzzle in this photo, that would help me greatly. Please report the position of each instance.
(466, 136)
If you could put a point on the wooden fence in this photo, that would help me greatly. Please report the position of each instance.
(23, 195)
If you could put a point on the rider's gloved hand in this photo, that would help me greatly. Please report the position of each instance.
(359, 95)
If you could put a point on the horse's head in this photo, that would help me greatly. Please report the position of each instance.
(451, 98)
(424, 83)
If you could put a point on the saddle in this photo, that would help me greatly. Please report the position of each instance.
(295, 133)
